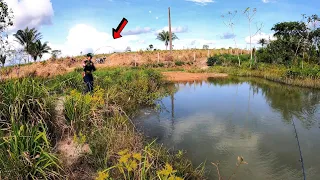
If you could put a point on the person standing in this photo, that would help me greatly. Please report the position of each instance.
(88, 68)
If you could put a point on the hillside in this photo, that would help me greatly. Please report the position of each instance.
(51, 67)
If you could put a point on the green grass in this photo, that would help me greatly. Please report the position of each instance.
(26, 152)
(309, 76)
(102, 120)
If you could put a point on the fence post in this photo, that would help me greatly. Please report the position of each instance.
(194, 56)
(158, 57)
(208, 52)
(135, 61)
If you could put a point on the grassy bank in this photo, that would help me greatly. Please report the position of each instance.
(32, 128)
(309, 76)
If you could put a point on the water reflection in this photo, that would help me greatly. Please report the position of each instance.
(291, 102)
(223, 118)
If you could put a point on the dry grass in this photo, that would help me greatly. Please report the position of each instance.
(63, 65)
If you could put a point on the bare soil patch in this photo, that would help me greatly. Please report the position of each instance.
(185, 76)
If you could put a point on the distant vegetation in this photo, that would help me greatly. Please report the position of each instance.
(293, 57)
(164, 37)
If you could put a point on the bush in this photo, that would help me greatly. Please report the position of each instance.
(212, 60)
(179, 63)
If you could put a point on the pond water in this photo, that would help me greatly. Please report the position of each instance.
(220, 119)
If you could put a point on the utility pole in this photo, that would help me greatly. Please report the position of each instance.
(170, 35)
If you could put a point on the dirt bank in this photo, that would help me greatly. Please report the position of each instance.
(185, 76)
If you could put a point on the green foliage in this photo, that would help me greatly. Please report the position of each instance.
(295, 41)
(227, 59)
(37, 49)
(311, 72)
(24, 99)
(77, 109)
(212, 60)
(6, 20)
(27, 37)
(65, 83)
(164, 37)
(179, 63)
(24, 152)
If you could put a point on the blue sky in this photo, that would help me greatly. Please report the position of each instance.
(77, 25)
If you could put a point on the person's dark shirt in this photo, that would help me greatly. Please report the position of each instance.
(88, 69)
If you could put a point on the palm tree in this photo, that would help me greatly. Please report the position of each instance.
(37, 49)
(164, 36)
(262, 42)
(27, 37)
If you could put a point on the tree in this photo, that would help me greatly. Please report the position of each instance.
(205, 46)
(299, 37)
(250, 16)
(150, 47)
(5, 20)
(27, 37)
(3, 59)
(230, 23)
(55, 54)
(262, 42)
(164, 37)
(37, 49)
(128, 49)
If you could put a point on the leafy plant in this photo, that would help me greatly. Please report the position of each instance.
(179, 63)
(25, 152)
(212, 60)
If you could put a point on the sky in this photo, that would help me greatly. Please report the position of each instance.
(75, 26)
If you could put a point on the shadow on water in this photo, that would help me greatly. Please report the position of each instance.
(219, 119)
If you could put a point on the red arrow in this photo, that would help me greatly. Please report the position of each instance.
(116, 32)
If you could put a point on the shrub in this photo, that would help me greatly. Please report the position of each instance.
(161, 64)
(179, 63)
(212, 60)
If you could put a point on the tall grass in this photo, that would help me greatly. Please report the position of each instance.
(26, 101)
(101, 119)
(25, 153)
(105, 120)
(25, 147)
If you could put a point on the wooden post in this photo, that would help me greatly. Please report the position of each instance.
(135, 61)
(208, 52)
(170, 35)
(158, 57)
(194, 56)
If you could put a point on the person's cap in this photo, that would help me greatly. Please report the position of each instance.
(90, 55)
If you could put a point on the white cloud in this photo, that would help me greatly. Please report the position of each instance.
(269, 1)
(150, 11)
(178, 29)
(31, 13)
(84, 38)
(138, 30)
(202, 2)
(192, 43)
(257, 37)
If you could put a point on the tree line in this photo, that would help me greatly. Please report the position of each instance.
(296, 42)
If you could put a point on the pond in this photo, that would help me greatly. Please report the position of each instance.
(221, 119)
